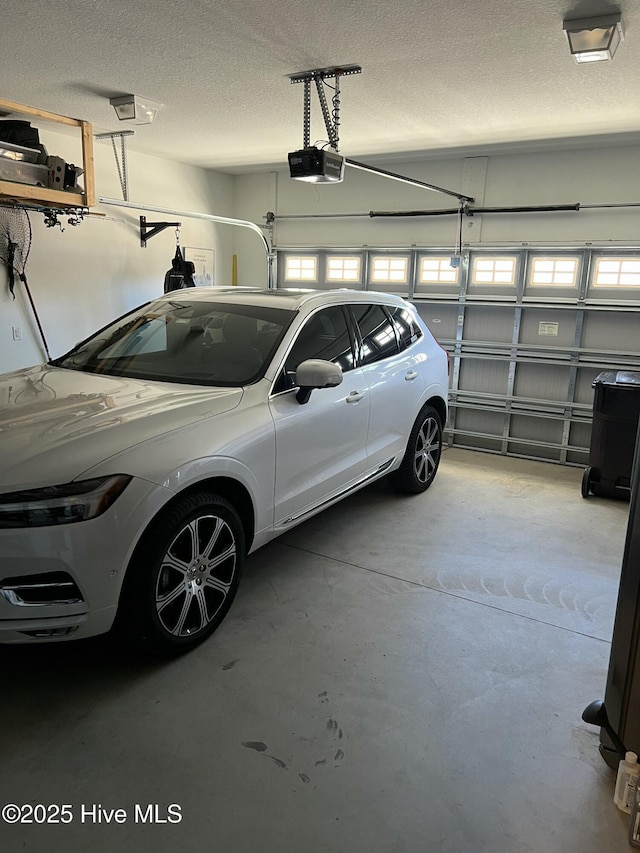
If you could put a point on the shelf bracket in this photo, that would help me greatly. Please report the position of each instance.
(150, 229)
(121, 162)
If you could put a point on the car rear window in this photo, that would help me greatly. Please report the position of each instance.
(378, 335)
(406, 326)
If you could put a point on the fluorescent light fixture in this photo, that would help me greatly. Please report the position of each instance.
(594, 39)
(135, 109)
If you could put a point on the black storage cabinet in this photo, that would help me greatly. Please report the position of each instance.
(616, 411)
(619, 714)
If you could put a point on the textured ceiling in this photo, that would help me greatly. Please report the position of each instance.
(438, 75)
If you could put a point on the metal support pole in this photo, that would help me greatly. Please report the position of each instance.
(325, 112)
(306, 115)
(575, 355)
(457, 351)
(335, 113)
(515, 340)
(121, 164)
(125, 170)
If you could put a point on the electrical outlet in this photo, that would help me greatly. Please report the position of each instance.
(17, 333)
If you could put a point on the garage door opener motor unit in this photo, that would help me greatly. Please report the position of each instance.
(316, 165)
(310, 163)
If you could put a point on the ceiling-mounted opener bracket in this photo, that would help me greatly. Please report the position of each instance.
(331, 119)
(150, 229)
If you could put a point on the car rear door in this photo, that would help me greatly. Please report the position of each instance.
(320, 445)
(394, 374)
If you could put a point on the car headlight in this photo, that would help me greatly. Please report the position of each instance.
(52, 505)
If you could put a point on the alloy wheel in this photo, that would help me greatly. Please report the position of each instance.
(196, 575)
(427, 450)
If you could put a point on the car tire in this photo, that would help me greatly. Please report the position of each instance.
(421, 459)
(183, 576)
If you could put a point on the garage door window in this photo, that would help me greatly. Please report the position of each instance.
(389, 270)
(550, 272)
(438, 271)
(345, 269)
(501, 270)
(617, 272)
(301, 268)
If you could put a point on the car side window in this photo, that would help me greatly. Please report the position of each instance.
(377, 332)
(325, 335)
(408, 330)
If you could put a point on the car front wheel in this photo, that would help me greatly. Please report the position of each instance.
(183, 577)
(422, 456)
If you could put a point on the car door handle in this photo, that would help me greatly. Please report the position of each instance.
(354, 397)
(410, 375)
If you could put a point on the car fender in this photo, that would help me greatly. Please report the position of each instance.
(222, 447)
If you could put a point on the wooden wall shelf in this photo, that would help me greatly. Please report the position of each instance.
(30, 194)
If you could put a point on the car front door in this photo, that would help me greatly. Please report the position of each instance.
(320, 445)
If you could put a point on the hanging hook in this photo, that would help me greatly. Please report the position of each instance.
(178, 236)
(150, 229)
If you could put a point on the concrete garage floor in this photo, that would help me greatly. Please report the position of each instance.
(398, 675)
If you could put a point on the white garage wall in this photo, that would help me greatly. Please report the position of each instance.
(88, 275)
(254, 195)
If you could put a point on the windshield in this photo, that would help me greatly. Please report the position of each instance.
(203, 343)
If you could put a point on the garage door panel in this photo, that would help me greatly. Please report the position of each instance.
(548, 327)
(542, 381)
(536, 429)
(533, 451)
(489, 323)
(579, 436)
(442, 320)
(611, 331)
(475, 428)
(488, 376)
(584, 385)
(527, 329)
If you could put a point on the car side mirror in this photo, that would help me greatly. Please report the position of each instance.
(316, 373)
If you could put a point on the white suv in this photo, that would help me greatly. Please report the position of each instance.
(139, 469)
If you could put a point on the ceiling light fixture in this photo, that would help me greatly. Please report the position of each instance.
(594, 39)
(135, 109)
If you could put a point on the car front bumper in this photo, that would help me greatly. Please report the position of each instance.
(63, 582)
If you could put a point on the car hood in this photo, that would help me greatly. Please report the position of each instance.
(56, 423)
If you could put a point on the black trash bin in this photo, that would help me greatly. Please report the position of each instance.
(616, 411)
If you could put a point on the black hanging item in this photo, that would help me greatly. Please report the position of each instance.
(15, 245)
(181, 273)
(15, 242)
(11, 256)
